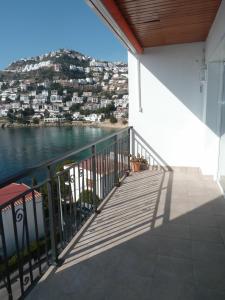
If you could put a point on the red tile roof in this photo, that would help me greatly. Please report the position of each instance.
(13, 190)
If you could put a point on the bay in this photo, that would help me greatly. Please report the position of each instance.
(21, 148)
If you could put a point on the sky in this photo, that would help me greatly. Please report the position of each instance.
(34, 27)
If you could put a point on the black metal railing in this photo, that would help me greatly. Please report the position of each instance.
(56, 199)
(139, 146)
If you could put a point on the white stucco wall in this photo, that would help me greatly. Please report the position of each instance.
(173, 107)
(215, 43)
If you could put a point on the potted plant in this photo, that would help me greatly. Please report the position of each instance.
(135, 163)
(144, 163)
(138, 163)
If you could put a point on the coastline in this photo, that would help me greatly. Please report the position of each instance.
(105, 124)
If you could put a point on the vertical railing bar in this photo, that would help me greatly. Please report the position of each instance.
(108, 169)
(128, 150)
(115, 161)
(93, 150)
(79, 199)
(129, 147)
(138, 148)
(97, 174)
(122, 158)
(65, 214)
(125, 154)
(60, 214)
(103, 172)
(100, 177)
(111, 167)
(103, 176)
(70, 203)
(119, 145)
(20, 268)
(86, 185)
(132, 141)
(6, 262)
(108, 181)
(52, 222)
(27, 239)
(91, 183)
(46, 235)
(83, 190)
(36, 231)
(75, 198)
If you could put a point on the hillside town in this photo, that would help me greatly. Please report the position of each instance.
(63, 86)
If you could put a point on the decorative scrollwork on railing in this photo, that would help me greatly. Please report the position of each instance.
(19, 214)
(26, 280)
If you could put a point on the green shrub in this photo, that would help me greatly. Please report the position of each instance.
(113, 120)
(36, 121)
(86, 196)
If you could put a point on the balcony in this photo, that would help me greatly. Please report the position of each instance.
(159, 236)
(155, 234)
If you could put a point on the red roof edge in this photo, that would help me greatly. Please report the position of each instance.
(115, 12)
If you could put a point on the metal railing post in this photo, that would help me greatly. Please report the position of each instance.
(52, 217)
(93, 150)
(6, 272)
(116, 181)
(129, 148)
(132, 141)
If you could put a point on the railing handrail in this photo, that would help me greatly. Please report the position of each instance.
(22, 174)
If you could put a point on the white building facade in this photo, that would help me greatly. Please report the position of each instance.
(176, 86)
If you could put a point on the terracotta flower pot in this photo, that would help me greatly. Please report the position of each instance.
(136, 166)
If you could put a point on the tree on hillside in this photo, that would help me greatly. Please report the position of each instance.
(58, 87)
(75, 107)
(27, 112)
(113, 120)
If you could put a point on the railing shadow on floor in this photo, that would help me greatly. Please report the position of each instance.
(122, 219)
(123, 243)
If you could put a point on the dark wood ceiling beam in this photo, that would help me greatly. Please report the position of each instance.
(159, 8)
(168, 12)
(169, 19)
(149, 27)
(158, 3)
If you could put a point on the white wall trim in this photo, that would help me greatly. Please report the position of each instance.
(139, 83)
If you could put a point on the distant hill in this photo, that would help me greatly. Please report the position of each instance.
(61, 64)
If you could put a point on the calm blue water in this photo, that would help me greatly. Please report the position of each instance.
(25, 147)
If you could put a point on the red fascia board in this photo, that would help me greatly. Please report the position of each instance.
(114, 11)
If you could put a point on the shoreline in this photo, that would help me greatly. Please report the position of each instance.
(105, 124)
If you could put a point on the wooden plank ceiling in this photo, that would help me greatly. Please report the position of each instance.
(164, 22)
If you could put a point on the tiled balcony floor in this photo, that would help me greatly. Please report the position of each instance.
(160, 236)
